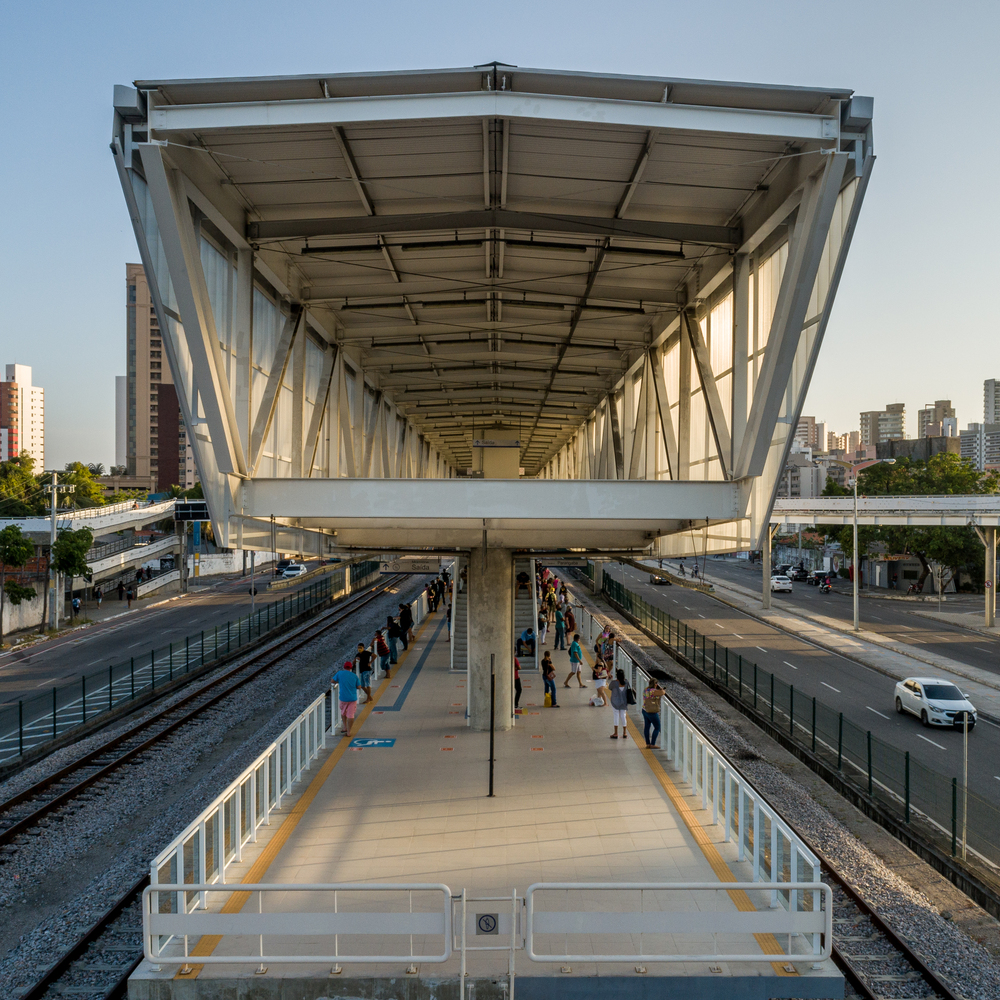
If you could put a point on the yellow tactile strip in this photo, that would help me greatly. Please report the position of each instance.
(209, 942)
(768, 943)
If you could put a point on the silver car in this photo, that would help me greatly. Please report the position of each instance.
(934, 702)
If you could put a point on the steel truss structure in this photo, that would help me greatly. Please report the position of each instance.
(358, 276)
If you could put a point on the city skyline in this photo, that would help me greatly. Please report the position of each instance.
(895, 299)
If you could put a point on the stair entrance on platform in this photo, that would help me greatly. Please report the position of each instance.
(525, 608)
(459, 618)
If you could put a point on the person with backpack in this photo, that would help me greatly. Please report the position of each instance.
(549, 676)
(619, 704)
(382, 651)
(363, 665)
(392, 634)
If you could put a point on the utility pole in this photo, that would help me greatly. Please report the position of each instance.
(54, 488)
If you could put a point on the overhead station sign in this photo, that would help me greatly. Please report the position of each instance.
(409, 564)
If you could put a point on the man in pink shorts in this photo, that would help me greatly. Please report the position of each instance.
(346, 683)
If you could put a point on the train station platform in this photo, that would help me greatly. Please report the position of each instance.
(598, 868)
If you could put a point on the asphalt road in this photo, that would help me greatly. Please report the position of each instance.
(863, 695)
(57, 661)
(892, 619)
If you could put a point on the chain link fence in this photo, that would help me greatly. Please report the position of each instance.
(904, 786)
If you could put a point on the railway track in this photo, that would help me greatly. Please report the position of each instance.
(40, 802)
(99, 962)
(875, 960)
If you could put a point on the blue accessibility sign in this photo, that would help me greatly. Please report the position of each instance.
(364, 742)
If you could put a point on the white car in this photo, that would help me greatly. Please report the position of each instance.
(780, 583)
(296, 569)
(934, 702)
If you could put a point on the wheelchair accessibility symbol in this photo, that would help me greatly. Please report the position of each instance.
(367, 743)
(486, 923)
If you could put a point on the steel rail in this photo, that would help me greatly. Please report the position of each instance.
(265, 659)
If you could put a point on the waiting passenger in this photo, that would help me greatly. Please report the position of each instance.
(346, 683)
(363, 665)
(619, 704)
(549, 677)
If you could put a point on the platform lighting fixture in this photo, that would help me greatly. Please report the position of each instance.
(855, 469)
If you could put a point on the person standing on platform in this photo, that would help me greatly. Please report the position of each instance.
(346, 683)
(619, 704)
(575, 662)
(448, 616)
(569, 618)
(549, 676)
(543, 625)
(382, 650)
(363, 665)
(517, 685)
(392, 634)
(406, 624)
(651, 714)
(560, 642)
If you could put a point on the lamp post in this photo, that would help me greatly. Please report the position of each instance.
(855, 469)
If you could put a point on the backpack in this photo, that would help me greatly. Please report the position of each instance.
(629, 695)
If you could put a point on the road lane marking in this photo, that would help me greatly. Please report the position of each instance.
(738, 636)
(700, 615)
(830, 686)
(932, 743)
(792, 665)
(762, 649)
(717, 625)
(876, 711)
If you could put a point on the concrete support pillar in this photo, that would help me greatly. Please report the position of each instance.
(491, 630)
(991, 576)
(765, 574)
(598, 577)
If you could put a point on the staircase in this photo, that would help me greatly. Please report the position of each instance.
(525, 608)
(459, 625)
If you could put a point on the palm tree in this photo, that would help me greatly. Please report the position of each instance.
(96, 468)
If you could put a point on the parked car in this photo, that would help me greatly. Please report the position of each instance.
(797, 573)
(935, 702)
(293, 570)
(780, 582)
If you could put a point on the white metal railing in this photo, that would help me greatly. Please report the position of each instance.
(200, 854)
(732, 921)
(776, 853)
(167, 928)
(419, 607)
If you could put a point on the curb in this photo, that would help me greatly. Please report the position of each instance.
(854, 657)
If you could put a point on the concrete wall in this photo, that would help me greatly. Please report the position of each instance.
(28, 614)
(216, 563)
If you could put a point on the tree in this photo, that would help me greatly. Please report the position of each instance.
(20, 494)
(69, 553)
(15, 551)
(957, 549)
(96, 468)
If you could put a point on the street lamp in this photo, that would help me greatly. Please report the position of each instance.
(855, 469)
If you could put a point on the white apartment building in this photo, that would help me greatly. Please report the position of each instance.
(29, 421)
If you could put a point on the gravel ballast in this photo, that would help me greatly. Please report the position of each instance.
(57, 882)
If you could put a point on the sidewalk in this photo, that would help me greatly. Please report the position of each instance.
(887, 656)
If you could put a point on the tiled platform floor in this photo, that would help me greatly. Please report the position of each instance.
(570, 805)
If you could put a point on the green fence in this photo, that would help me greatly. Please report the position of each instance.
(45, 716)
(903, 785)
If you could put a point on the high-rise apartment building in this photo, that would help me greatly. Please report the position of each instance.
(879, 426)
(22, 416)
(991, 401)
(980, 444)
(155, 438)
(934, 414)
(849, 442)
(805, 432)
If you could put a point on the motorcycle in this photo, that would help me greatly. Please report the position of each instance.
(825, 587)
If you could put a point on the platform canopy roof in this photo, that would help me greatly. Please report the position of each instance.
(492, 245)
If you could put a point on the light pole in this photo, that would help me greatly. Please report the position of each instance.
(855, 469)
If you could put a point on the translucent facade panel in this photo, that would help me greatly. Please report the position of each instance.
(699, 435)
(721, 327)
(158, 258)
(219, 278)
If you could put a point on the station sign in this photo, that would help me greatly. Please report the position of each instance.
(495, 443)
(409, 564)
(191, 510)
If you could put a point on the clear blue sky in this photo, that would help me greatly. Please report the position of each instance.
(916, 317)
